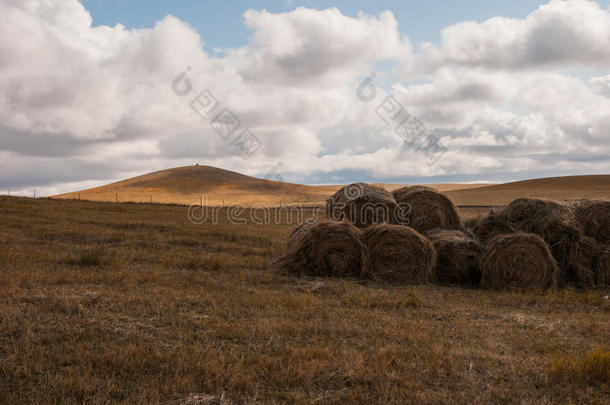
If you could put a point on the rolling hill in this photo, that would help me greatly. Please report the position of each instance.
(553, 188)
(186, 185)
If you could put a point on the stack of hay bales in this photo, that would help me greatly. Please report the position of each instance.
(390, 250)
(528, 244)
(362, 204)
(557, 223)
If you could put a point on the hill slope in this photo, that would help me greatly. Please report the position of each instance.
(554, 188)
(187, 185)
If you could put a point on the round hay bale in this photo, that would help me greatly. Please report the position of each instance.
(428, 209)
(594, 218)
(400, 192)
(325, 248)
(602, 268)
(362, 204)
(397, 253)
(518, 261)
(582, 260)
(493, 225)
(457, 257)
(555, 222)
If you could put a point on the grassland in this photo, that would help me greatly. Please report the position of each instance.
(132, 303)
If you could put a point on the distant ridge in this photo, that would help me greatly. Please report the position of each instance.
(552, 188)
(187, 185)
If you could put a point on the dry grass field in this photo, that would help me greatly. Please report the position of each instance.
(131, 303)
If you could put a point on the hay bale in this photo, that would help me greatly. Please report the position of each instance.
(602, 268)
(362, 204)
(428, 209)
(594, 218)
(493, 225)
(529, 215)
(458, 257)
(518, 261)
(582, 261)
(325, 248)
(555, 222)
(400, 192)
(397, 253)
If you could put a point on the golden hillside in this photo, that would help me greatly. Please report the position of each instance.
(553, 188)
(187, 185)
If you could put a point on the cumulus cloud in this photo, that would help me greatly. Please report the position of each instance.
(83, 104)
(314, 47)
(562, 33)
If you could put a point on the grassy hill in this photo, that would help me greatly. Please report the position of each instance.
(554, 188)
(186, 185)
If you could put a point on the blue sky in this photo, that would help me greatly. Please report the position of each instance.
(220, 22)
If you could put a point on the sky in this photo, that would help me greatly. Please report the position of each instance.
(313, 92)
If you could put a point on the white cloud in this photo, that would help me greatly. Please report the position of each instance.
(562, 33)
(86, 104)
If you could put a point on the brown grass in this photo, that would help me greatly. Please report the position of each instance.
(518, 261)
(591, 368)
(154, 324)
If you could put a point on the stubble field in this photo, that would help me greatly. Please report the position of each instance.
(103, 302)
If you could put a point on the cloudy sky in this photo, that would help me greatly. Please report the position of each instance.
(306, 91)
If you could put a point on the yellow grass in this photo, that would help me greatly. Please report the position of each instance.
(131, 303)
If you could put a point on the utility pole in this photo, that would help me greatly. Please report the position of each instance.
(116, 198)
(34, 193)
